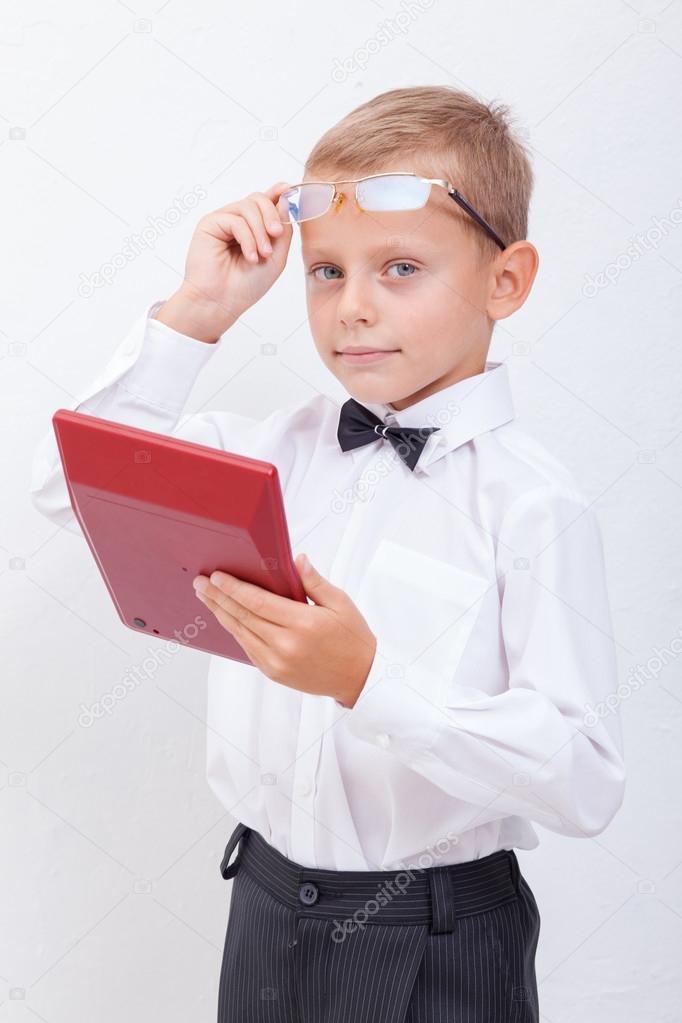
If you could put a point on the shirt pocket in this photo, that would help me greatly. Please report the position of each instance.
(422, 609)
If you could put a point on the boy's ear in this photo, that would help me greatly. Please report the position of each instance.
(512, 277)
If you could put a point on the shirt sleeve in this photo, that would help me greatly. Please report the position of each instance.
(146, 383)
(543, 749)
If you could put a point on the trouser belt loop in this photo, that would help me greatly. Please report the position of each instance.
(229, 871)
(443, 914)
(514, 865)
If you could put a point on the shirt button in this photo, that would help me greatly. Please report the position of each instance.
(308, 893)
(383, 739)
(303, 788)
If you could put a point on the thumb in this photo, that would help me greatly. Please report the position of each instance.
(315, 585)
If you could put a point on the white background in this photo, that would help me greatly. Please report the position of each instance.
(112, 904)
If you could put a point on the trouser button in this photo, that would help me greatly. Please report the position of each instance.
(308, 893)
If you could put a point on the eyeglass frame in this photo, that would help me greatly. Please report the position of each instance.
(447, 185)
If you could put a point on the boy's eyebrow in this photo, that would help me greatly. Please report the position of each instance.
(398, 242)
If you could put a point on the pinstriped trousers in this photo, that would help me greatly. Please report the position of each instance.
(444, 944)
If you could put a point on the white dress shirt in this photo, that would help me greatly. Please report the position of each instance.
(482, 576)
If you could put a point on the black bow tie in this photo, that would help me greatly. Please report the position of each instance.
(358, 426)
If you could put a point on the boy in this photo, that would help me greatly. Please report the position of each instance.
(393, 741)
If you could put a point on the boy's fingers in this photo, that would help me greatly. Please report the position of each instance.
(269, 215)
(273, 193)
(271, 212)
(275, 190)
(235, 225)
(265, 604)
(252, 211)
(252, 220)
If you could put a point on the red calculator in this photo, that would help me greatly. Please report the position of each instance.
(157, 511)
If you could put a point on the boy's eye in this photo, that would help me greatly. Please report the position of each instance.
(402, 265)
(328, 266)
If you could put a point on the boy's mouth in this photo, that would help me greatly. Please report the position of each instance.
(361, 356)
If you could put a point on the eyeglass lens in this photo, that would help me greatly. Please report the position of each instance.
(387, 192)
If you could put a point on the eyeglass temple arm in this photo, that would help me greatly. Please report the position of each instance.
(459, 198)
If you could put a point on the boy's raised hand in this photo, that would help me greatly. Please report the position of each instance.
(228, 266)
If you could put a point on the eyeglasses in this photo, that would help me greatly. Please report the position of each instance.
(402, 190)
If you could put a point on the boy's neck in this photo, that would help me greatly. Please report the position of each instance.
(472, 368)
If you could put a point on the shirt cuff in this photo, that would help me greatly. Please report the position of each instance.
(167, 365)
(392, 711)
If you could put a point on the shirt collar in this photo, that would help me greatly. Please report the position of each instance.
(462, 410)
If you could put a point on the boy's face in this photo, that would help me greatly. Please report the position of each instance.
(409, 281)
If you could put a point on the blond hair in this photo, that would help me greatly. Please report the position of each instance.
(444, 132)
